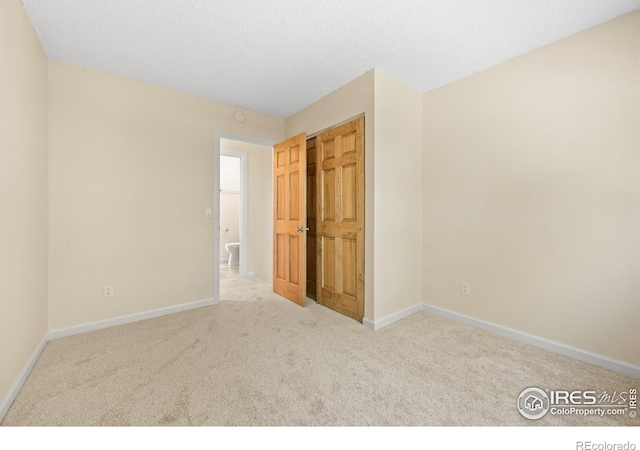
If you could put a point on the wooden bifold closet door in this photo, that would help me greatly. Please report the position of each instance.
(340, 218)
(290, 219)
(324, 178)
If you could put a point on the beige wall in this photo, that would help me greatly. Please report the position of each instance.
(352, 99)
(23, 194)
(398, 196)
(259, 206)
(131, 173)
(532, 192)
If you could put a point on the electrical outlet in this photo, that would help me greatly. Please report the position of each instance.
(464, 288)
(207, 212)
(108, 290)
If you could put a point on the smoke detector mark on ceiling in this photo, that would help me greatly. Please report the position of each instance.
(239, 116)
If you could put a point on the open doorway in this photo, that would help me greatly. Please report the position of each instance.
(233, 213)
(250, 194)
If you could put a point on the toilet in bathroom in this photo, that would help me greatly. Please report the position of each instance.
(234, 253)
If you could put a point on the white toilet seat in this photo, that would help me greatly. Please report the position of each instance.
(233, 248)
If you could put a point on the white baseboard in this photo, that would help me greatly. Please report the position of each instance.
(388, 320)
(576, 353)
(22, 377)
(557, 347)
(224, 260)
(93, 326)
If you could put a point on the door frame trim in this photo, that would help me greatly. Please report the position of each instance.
(217, 135)
(317, 133)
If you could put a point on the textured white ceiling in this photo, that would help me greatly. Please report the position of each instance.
(278, 56)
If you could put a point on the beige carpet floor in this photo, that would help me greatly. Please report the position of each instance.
(256, 359)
